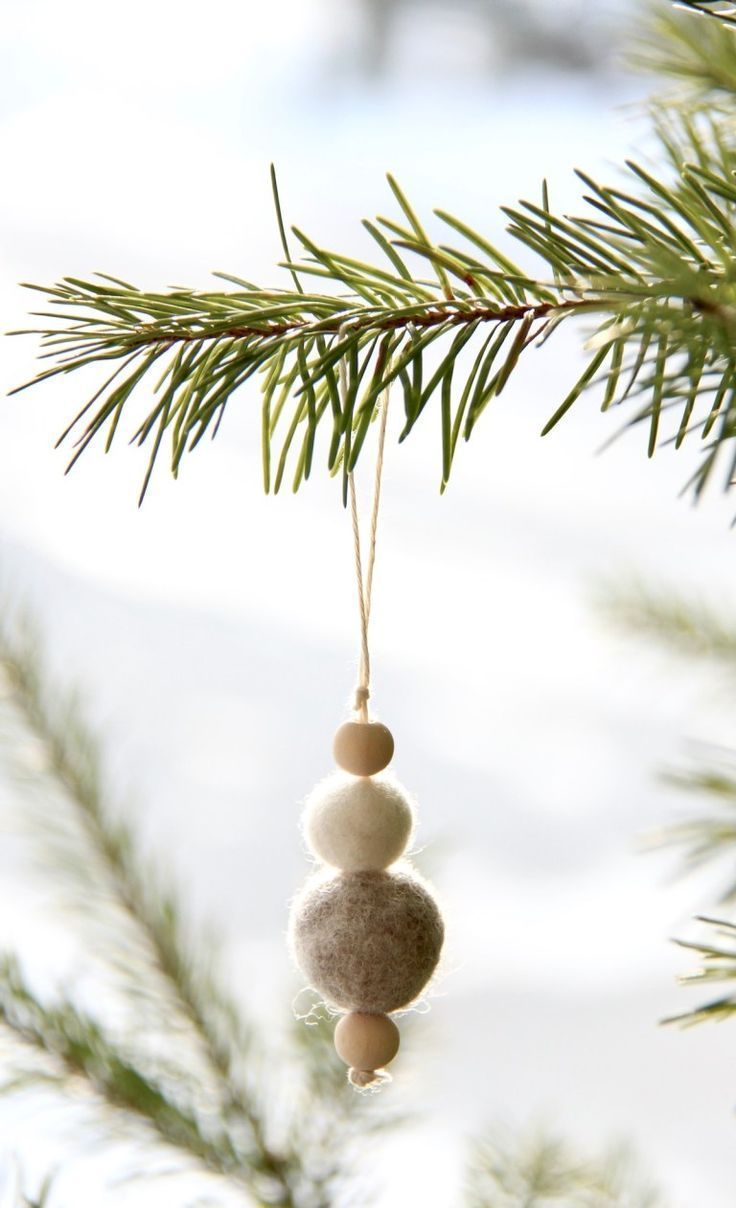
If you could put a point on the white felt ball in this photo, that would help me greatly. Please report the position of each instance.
(366, 1042)
(358, 823)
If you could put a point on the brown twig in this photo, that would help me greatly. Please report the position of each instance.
(452, 316)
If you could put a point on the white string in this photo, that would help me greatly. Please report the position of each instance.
(365, 581)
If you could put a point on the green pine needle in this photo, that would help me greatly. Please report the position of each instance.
(650, 266)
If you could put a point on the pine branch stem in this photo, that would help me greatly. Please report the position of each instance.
(448, 314)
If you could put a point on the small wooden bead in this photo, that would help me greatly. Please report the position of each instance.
(366, 1042)
(363, 747)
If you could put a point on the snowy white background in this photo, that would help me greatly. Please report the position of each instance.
(214, 632)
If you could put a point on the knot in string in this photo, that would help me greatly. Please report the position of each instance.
(364, 1080)
(364, 578)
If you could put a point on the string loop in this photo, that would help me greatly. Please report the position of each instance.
(364, 580)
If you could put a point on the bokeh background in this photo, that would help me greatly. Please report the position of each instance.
(214, 632)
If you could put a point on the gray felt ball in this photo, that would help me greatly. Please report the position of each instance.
(367, 941)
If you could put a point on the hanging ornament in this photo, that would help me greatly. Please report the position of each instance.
(365, 932)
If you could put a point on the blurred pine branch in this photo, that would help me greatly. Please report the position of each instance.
(541, 1171)
(718, 964)
(687, 627)
(19, 1197)
(707, 840)
(287, 1133)
(698, 55)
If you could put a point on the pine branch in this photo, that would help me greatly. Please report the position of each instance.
(83, 1051)
(699, 55)
(291, 1146)
(687, 627)
(695, 630)
(217, 342)
(73, 760)
(718, 958)
(709, 839)
(722, 10)
(543, 1172)
(19, 1197)
(652, 266)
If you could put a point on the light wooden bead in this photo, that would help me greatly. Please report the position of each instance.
(363, 747)
(366, 1042)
